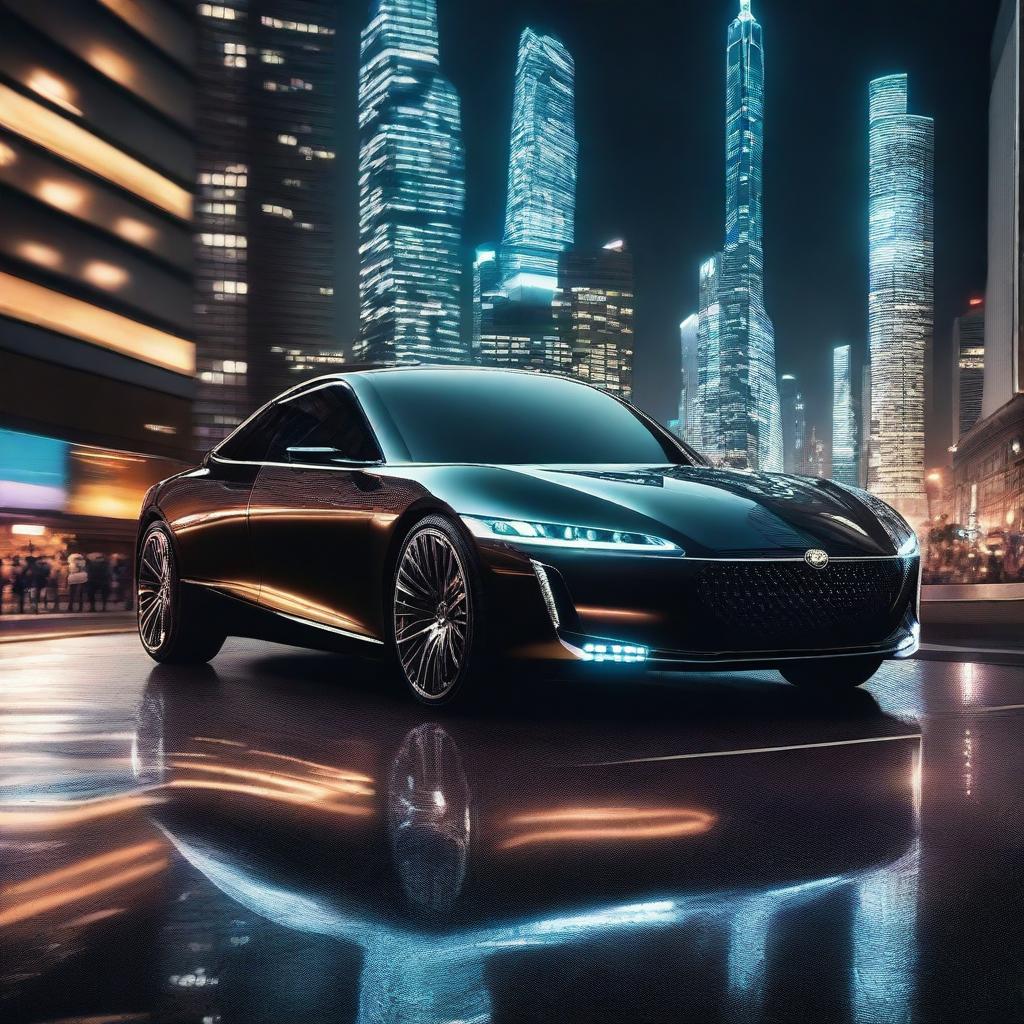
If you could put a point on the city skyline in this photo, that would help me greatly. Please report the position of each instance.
(619, 176)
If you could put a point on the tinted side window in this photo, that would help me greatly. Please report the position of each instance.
(326, 418)
(250, 444)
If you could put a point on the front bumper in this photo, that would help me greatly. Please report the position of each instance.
(701, 613)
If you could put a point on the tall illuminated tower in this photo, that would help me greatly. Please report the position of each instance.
(411, 191)
(689, 424)
(540, 208)
(794, 423)
(844, 419)
(750, 419)
(900, 292)
(708, 436)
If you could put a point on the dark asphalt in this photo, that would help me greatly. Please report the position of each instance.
(284, 836)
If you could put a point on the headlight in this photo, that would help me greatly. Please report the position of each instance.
(900, 532)
(561, 535)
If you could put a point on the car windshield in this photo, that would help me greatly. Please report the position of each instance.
(462, 416)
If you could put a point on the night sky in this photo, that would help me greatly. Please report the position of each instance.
(650, 98)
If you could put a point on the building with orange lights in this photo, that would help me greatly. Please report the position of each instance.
(97, 352)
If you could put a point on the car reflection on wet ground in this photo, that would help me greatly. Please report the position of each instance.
(283, 835)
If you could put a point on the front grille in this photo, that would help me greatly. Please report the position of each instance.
(788, 605)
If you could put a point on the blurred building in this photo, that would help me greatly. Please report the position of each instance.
(593, 313)
(689, 423)
(97, 354)
(411, 191)
(816, 456)
(968, 367)
(540, 207)
(522, 336)
(988, 464)
(709, 361)
(794, 424)
(264, 218)
(486, 287)
(900, 293)
(844, 419)
(749, 415)
(864, 426)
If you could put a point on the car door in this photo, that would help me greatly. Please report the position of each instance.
(312, 513)
(207, 511)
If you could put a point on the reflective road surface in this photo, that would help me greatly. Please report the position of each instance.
(284, 836)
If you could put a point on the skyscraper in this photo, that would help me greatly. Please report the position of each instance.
(411, 191)
(968, 367)
(900, 293)
(794, 423)
(844, 419)
(709, 362)
(540, 207)
(749, 415)
(593, 313)
(265, 221)
(485, 289)
(689, 421)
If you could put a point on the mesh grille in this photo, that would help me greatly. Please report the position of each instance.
(762, 606)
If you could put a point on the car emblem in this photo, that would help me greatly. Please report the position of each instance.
(816, 558)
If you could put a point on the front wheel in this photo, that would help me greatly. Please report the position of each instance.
(831, 673)
(436, 615)
(171, 627)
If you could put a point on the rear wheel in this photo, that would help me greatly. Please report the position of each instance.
(831, 673)
(437, 612)
(171, 627)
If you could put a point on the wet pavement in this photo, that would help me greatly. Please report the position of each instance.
(285, 836)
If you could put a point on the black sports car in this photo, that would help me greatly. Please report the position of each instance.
(449, 516)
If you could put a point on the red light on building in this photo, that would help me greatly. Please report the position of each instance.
(975, 302)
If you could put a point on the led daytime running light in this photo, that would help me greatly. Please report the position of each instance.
(567, 536)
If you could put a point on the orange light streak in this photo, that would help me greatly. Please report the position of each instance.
(590, 824)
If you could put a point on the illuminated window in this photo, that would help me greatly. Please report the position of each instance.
(296, 26)
(222, 209)
(223, 241)
(277, 211)
(218, 11)
(288, 140)
(271, 57)
(231, 287)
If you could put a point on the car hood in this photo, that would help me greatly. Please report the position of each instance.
(709, 512)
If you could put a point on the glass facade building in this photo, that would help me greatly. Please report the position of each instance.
(900, 293)
(794, 423)
(97, 351)
(749, 417)
(593, 313)
(709, 362)
(411, 191)
(689, 421)
(540, 207)
(968, 368)
(265, 217)
(844, 419)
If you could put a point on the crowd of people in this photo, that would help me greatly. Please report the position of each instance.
(955, 554)
(68, 582)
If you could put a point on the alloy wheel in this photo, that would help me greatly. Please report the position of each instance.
(154, 591)
(431, 613)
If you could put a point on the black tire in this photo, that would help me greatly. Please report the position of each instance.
(437, 639)
(831, 673)
(171, 626)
